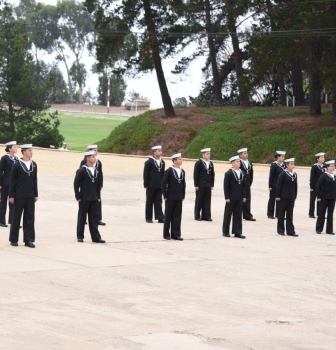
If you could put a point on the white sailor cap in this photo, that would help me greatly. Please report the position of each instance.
(11, 143)
(205, 150)
(329, 162)
(92, 147)
(319, 154)
(51, 146)
(242, 150)
(156, 147)
(89, 153)
(281, 153)
(289, 160)
(177, 155)
(64, 143)
(29, 145)
(232, 159)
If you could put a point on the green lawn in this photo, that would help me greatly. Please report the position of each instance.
(80, 130)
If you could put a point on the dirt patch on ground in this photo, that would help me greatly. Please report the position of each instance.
(179, 131)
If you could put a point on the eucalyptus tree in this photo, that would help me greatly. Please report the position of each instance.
(138, 35)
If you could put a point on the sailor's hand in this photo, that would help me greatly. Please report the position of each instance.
(278, 199)
(11, 200)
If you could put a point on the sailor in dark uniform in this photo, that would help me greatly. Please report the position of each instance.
(23, 194)
(87, 187)
(326, 196)
(99, 166)
(316, 171)
(152, 176)
(204, 180)
(286, 193)
(235, 195)
(6, 164)
(247, 169)
(173, 189)
(277, 167)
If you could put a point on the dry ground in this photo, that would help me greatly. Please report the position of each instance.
(141, 292)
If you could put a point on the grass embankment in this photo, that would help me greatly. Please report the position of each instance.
(80, 130)
(262, 130)
(136, 133)
(253, 128)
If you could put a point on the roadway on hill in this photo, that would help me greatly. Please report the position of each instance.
(140, 292)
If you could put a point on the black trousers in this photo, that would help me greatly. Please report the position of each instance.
(91, 209)
(27, 206)
(272, 203)
(203, 203)
(286, 208)
(247, 205)
(173, 217)
(3, 206)
(324, 205)
(154, 197)
(312, 204)
(234, 210)
(100, 217)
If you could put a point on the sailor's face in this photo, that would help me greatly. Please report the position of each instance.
(244, 155)
(157, 153)
(206, 155)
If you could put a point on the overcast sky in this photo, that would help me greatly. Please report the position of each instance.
(179, 85)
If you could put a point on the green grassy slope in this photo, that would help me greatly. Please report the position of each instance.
(80, 130)
(135, 133)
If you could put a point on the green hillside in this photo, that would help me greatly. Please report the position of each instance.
(262, 130)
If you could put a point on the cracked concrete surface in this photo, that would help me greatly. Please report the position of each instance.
(140, 292)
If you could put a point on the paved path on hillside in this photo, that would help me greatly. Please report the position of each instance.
(141, 292)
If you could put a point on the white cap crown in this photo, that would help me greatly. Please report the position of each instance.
(156, 147)
(242, 150)
(232, 159)
(205, 150)
(89, 153)
(176, 155)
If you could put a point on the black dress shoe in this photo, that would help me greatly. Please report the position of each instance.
(80, 240)
(318, 232)
(101, 223)
(240, 236)
(281, 233)
(226, 235)
(251, 219)
(30, 244)
(99, 241)
(14, 244)
(167, 238)
(207, 219)
(161, 221)
(330, 233)
(3, 225)
(198, 219)
(312, 216)
(149, 221)
(271, 217)
(178, 239)
(292, 234)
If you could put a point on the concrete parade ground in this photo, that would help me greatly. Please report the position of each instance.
(140, 292)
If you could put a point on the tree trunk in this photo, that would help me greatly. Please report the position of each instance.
(315, 57)
(243, 89)
(212, 53)
(69, 80)
(281, 82)
(334, 103)
(166, 100)
(80, 83)
(11, 117)
(297, 81)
